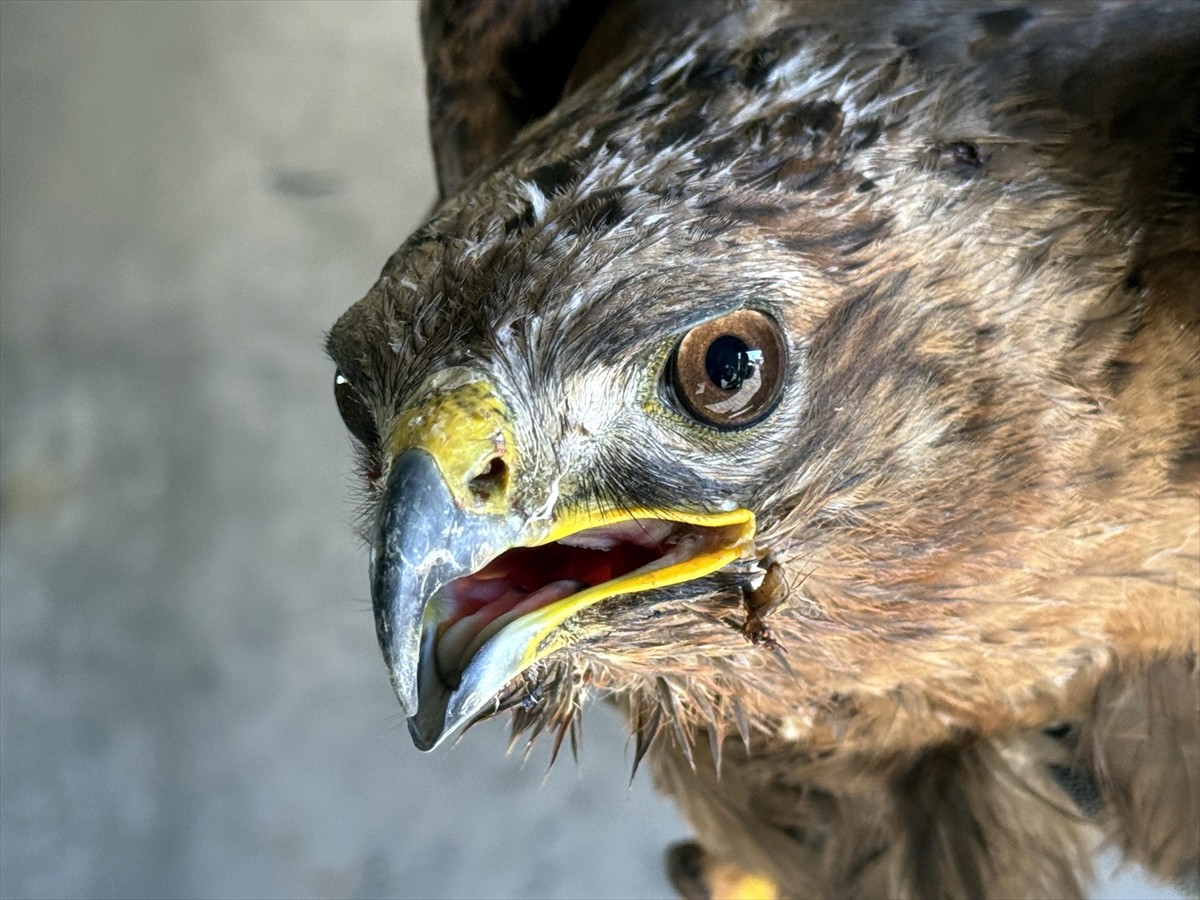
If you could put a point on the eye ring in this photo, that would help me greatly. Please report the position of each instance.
(729, 373)
(354, 412)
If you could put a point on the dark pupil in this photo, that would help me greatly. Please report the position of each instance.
(729, 362)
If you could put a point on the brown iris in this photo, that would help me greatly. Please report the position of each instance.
(729, 373)
(354, 411)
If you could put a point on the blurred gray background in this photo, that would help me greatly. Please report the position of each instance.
(191, 699)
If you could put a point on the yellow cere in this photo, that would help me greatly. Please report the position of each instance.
(463, 428)
(745, 887)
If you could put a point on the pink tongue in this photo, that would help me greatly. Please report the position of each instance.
(460, 642)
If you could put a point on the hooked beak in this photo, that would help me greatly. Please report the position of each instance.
(469, 591)
(423, 541)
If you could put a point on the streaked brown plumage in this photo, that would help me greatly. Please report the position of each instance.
(979, 230)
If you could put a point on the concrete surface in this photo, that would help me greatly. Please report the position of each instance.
(192, 700)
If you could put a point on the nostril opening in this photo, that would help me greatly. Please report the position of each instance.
(492, 480)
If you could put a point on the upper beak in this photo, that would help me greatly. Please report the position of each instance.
(445, 511)
(423, 541)
(452, 504)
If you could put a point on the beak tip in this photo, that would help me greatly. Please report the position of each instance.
(428, 730)
(422, 741)
(405, 690)
(408, 704)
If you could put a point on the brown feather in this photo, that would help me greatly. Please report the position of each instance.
(980, 229)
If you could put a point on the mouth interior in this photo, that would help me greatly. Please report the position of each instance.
(475, 607)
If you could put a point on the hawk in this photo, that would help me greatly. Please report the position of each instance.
(820, 383)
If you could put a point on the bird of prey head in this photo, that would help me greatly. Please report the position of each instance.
(823, 377)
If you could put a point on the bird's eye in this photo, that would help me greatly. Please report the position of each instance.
(729, 373)
(354, 411)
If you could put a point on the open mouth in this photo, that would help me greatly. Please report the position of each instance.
(467, 598)
(616, 559)
(482, 630)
